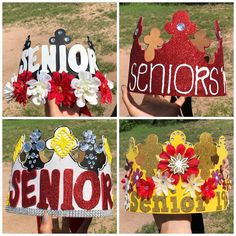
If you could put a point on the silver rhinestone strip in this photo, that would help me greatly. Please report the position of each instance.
(68, 213)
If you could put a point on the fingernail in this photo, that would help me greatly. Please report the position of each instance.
(45, 217)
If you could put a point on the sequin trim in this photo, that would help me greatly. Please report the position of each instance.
(69, 213)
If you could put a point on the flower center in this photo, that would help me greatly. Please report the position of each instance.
(59, 89)
(178, 164)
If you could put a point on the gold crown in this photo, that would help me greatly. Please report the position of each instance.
(177, 177)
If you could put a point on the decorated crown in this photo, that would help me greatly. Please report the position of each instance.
(179, 67)
(177, 177)
(74, 182)
(70, 76)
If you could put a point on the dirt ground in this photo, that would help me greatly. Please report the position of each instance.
(131, 222)
(13, 42)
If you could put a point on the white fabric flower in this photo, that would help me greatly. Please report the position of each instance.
(109, 83)
(86, 88)
(9, 89)
(38, 89)
(127, 201)
(163, 183)
(193, 185)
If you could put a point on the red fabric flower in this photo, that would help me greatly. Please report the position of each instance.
(208, 189)
(106, 96)
(61, 89)
(21, 86)
(145, 187)
(191, 161)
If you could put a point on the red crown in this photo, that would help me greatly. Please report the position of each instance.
(179, 67)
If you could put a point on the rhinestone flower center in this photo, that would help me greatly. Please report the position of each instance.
(178, 164)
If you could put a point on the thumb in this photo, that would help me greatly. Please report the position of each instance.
(46, 224)
(132, 110)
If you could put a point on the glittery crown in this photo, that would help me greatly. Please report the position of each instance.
(68, 75)
(179, 67)
(74, 182)
(177, 177)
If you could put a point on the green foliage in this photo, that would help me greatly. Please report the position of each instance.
(148, 229)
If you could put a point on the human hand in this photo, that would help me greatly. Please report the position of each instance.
(152, 105)
(63, 225)
(173, 224)
(52, 109)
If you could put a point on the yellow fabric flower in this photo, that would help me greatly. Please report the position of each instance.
(107, 151)
(63, 142)
(193, 185)
(18, 148)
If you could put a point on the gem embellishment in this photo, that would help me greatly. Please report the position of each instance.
(178, 164)
(31, 158)
(63, 142)
(94, 154)
(180, 27)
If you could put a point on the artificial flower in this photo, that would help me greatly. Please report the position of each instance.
(145, 188)
(163, 183)
(85, 88)
(38, 89)
(207, 189)
(178, 162)
(193, 185)
(126, 187)
(105, 88)
(137, 174)
(61, 89)
(9, 89)
(20, 86)
(127, 201)
(217, 177)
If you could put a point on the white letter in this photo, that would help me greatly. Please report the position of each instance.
(214, 80)
(23, 58)
(62, 50)
(224, 79)
(72, 61)
(179, 66)
(48, 59)
(32, 59)
(141, 72)
(202, 78)
(169, 82)
(163, 77)
(92, 61)
(134, 76)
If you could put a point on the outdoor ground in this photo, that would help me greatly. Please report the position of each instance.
(221, 222)
(204, 15)
(13, 129)
(40, 20)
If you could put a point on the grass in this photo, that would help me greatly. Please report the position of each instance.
(221, 222)
(156, 15)
(13, 129)
(204, 15)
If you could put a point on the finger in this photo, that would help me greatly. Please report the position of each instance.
(167, 98)
(133, 111)
(52, 109)
(180, 101)
(46, 224)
